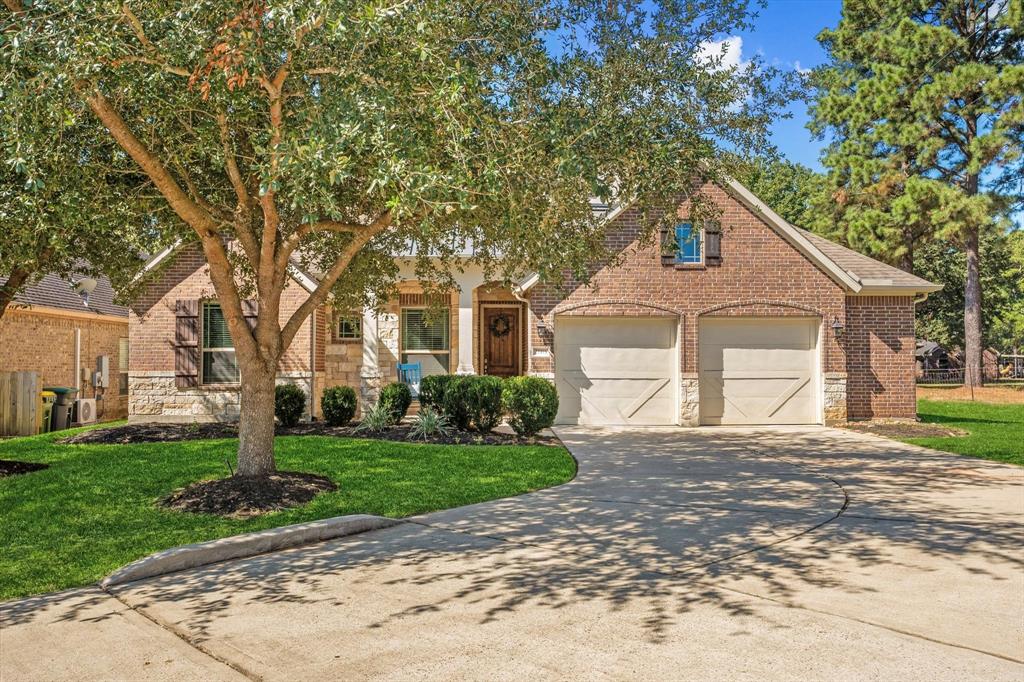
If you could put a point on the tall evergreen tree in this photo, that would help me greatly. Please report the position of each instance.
(922, 103)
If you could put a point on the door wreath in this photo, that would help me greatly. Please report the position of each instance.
(500, 326)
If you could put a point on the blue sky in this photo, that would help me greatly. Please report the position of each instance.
(784, 34)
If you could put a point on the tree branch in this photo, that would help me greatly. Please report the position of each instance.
(140, 34)
(243, 209)
(198, 218)
(327, 282)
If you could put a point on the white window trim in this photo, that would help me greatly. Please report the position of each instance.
(203, 349)
(402, 351)
(700, 244)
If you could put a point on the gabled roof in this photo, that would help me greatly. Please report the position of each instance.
(855, 272)
(53, 292)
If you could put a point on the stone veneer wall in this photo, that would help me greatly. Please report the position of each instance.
(43, 341)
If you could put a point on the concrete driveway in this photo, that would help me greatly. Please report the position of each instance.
(675, 554)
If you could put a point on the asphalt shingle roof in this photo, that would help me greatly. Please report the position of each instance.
(866, 269)
(53, 292)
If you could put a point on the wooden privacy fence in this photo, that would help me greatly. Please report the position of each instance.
(19, 403)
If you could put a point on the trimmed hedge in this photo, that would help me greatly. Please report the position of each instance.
(396, 398)
(472, 402)
(289, 404)
(531, 404)
(432, 388)
(339, 405)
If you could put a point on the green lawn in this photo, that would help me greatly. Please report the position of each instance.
(995, 431)
(93, 510)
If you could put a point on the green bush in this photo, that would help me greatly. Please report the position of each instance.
(289, 404)
(531, 404)
(396, 398)
(473, 402)
(432, 388)
(339, 405)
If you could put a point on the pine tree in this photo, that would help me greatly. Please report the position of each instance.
(922, 103)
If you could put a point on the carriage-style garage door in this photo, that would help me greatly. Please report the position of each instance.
(616, 370)
(758, 370)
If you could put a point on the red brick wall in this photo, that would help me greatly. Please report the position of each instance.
(151, 315)
(879, 341)
(760, 274)
(38, 341)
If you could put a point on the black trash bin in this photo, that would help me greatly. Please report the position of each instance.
(61, 417)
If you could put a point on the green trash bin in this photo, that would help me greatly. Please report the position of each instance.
(48, 398)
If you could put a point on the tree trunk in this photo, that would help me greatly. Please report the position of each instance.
(256, 420)
(907, 259)
(972, 312)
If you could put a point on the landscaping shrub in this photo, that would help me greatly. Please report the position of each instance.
(289, 404)
(396, 397)
(376, 419)
(485, 402)
(432, 388)
(531, 404)
(473, 402)
(339, 405)
(429, 422)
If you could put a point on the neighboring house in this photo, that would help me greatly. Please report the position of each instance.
(53, 330)
(745, 321)
(937, 363)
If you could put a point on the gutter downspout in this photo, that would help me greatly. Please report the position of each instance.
(78, 361)
(921, 298)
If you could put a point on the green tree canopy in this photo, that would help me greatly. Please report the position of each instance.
(921, 104)
(336, 133)
(792, 190)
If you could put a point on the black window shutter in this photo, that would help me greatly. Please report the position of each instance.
(712, 243)
(186, 343)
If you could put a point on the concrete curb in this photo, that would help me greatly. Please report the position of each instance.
(246, 545)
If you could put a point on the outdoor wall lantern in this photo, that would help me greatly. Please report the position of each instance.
(837, 327)
(542, 327)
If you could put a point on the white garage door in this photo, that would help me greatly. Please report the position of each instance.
(616, 370)
(758, 370)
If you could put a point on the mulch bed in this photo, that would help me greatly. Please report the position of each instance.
(165, 433)
(904, 429)
(244, 496)
(10, 467)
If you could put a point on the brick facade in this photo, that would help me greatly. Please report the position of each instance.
(760, 274)
(151, 322)
(43, 341)
(880, 357)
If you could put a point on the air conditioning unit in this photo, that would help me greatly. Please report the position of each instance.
(85, 411)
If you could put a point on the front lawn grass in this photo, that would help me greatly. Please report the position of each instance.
(995, 432)
(95, 508)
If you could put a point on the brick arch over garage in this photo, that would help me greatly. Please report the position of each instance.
(619, 307)
(833, 355)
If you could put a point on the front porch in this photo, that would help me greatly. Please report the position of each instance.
(481, 328)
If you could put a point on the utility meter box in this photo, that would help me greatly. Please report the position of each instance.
(102, 376)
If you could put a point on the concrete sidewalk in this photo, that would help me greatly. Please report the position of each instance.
(677, 554)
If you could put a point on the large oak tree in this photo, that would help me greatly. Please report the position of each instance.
(334, 134)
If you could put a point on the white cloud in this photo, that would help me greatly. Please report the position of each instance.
(803, 71)
(725, 54)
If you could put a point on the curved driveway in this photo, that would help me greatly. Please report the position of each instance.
(675, 554)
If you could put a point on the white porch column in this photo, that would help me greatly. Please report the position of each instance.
(369, 371)
(467, 283)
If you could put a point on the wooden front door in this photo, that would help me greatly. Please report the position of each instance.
(501, 336)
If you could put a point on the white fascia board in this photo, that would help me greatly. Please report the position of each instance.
(793, 236)
(157, 260)
(304, 280)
